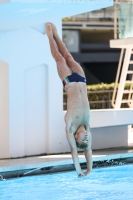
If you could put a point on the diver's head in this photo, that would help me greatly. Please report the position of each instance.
(82, 138)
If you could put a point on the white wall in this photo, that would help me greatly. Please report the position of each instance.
(109, 137)
(109, 127)
(4, 110)
(35, 94)
(35, 109)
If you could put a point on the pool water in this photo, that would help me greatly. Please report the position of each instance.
(102, 184)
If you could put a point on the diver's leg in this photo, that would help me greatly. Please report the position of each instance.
(63, 69)
(72, 64)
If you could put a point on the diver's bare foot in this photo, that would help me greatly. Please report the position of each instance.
(54, 29)
(48, 29)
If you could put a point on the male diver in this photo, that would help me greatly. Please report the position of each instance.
(77, 117)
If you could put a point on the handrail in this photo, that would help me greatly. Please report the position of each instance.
(117, 78)
(130, 95)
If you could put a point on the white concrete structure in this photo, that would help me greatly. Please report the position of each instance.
(31, 104)
(109, 128)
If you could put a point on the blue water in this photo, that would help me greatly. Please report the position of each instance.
(102, 184)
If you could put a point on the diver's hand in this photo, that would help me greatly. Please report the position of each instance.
(81, 174)
(87, 172)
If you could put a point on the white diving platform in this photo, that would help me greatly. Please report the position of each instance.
(122, 43)
(111, 117)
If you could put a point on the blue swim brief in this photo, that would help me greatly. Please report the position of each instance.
(74, 77)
